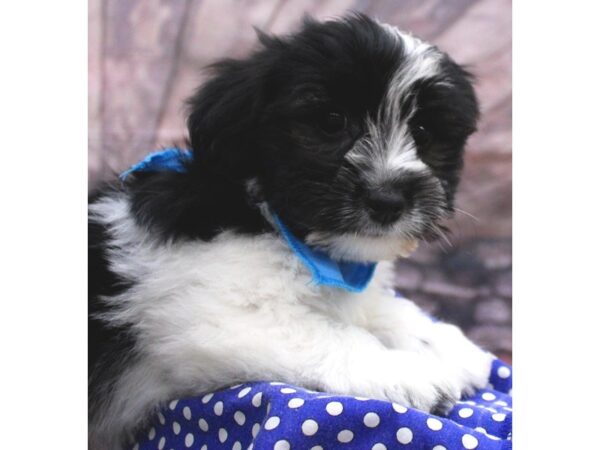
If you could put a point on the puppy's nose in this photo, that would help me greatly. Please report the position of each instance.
(385, 205)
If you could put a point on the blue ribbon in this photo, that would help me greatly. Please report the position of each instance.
(325, 271)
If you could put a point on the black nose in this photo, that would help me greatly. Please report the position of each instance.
(385, 205)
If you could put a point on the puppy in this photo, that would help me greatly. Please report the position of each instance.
(350, 134)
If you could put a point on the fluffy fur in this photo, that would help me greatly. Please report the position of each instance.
(353, 133)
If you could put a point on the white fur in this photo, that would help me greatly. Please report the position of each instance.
(351, 247)
(239, 308)
(390, 147)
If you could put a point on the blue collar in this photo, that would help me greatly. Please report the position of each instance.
(167, 159)
(348, 275)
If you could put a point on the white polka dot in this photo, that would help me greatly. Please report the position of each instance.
(255, 429)
(309, 427)
(207, 398)
(236, 446)
(282, 445)
(189, 439)
(501, 403)
(316, 447)
(465, 412)
(152, 433)
(434, 424)
(503, 372)
(399, 408)
(295, 403)
(268, 408)
(222, 435)
(204, 447)
(176, 428)
(379, 446)
(272, 423)
(257, 399)
(239, 418)
(187, 413)
(203, 424)
(469, 442)
(287, 391)
(161, 418)
(345, 436)
(173, 405)
(488, 396)
(218, 408)
(439, 447)
(161, 443)
(334, 408)
(481, 430)
(499, 417)
(371, 420)
(250, 447)
(404, 435)
(244, 392)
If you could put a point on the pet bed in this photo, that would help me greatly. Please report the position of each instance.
(277, 416)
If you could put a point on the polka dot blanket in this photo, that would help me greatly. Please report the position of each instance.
(277, 416)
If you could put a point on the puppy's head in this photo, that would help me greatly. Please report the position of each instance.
(352, 131)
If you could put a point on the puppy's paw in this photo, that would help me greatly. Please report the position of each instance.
(435, 396)
(411, 379)
(428, 387)
(467, 366)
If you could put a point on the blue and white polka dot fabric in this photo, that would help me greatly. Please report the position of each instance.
(277, 416)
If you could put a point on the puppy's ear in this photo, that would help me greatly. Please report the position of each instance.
(223, 117)
(267, 40)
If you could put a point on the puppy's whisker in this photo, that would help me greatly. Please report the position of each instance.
(476, 219)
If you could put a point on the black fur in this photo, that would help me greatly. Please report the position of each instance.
(107, 345)
(197, 204)
(265, 118)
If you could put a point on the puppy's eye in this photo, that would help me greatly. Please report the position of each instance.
(332, 122)
(421, 135)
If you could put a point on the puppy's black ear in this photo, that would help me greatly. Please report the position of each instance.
(223, 118)
(267, 41)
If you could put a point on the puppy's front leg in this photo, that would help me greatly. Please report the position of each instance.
(342, 359)
(370, 370)
(400, 324)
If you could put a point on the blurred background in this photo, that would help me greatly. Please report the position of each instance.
(146, 57)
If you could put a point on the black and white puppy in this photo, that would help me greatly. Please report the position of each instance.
(352, 132)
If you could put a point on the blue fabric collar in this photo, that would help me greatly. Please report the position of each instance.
(167, 159)
(347, 275)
